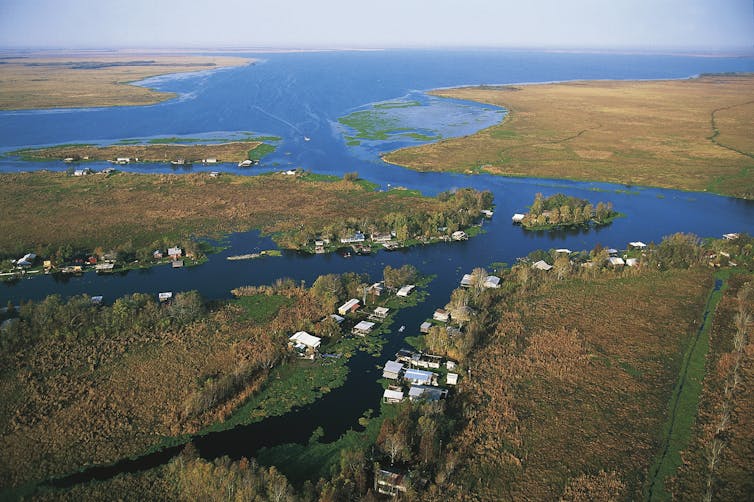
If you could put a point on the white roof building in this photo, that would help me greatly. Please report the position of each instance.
(518, 218)
(381, 312)
(405, 290)
(167, 295)
(563, 250)
(637, 245)
(392, 370)
(441, 315)
(419, 377)
(392, 396)
(452, 379)
(363, 328)
(466, 281)
(616, 261)
(542, 265)
(632, 262)
(304, 338)
(492, 281)
(349, 306)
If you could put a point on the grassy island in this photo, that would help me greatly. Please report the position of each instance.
(132, 215)
(154, 151)
(562, 211)
(54, 80)
(685, 134)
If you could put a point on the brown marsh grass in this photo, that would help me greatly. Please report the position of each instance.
(47, 81)
(653, 133)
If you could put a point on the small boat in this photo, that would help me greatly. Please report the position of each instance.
(347, 255)
(400, 330)
(246, 163)
(307, 138)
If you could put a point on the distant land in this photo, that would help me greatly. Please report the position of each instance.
(93, 78)
(692, 134)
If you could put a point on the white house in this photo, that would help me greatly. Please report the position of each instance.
(405, 290)
(441, 315)
(167, 295)
(459, 235)
(392, 396)
(420, 377)
(616, 261)
(356, 237)
(492, 281)
(632, 262)
(305, 344)
(451, 379)
(466, 280)
(175, 252)
(424, 327)
(363, 328)
(392, 370)
(563, 251)
(518, 218)
(542, 265)
(380, 313)
(637, 245)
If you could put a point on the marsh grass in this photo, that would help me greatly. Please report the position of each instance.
(657, 133)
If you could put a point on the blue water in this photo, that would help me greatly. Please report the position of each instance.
(302, 95)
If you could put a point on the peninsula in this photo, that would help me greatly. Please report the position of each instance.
(94, 78)
(685, 134)
(131, 215)
(155, 151)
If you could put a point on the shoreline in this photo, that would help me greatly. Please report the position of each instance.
(82, 79)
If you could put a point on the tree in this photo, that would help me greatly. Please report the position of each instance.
(538, 205)
(427, 443)
(395, 446)
(562, 266)
(328, 289)
(351, 176)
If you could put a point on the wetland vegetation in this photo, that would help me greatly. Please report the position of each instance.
(687, 134)
(131, 215)
(94, 79)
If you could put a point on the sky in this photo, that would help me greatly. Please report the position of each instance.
(568, 24)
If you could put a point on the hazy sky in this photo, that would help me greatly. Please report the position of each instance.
(658, 24)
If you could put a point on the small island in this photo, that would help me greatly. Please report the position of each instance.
(561, 211)
(156, 150)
